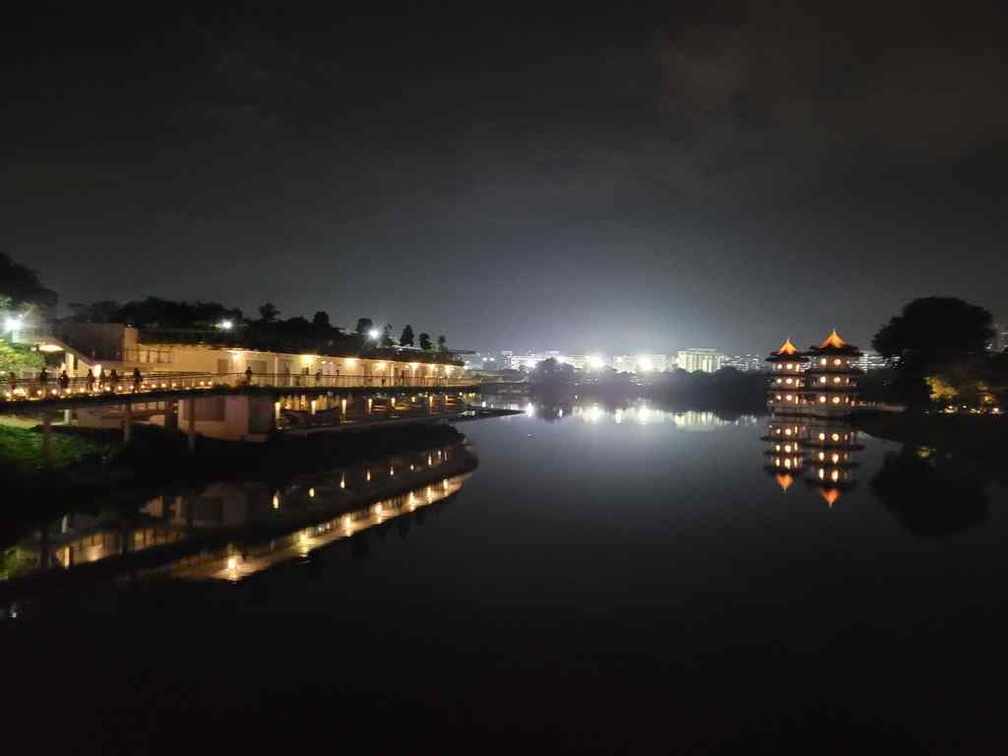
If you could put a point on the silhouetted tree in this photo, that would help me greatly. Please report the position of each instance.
(386, 338)
(406, 339)
(20, 285)
(103, 311)
(425, 342)
(442, 343)
(930, 335)
(268, 312)
(363, 326)
(321, 320)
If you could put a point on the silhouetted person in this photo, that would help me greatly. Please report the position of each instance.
(114, 379)
(248, 375)
(137, 379)
(89, 381)
(318, 378)
(64, 380)
(102, 380)
(43, 379)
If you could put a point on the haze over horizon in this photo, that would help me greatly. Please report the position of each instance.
(640, 181)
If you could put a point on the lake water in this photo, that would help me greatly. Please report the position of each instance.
(601, 580)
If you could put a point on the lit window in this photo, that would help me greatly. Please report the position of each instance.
(822, 379)
(836, 400)
(822, 361)
(836, 361)
(836, 380)
(787, 398)
(788, 381)
(822, 399)
(788, 366)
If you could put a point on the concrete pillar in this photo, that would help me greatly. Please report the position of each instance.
(47, 451)
(171, 415)
(127, 423)
(191, 411)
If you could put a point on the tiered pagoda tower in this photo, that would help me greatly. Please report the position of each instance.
(831, 377)
(810, 396)
(785, 393)
(829, 456)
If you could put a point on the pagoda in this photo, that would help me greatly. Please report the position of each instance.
(785, 390)
(831, 377)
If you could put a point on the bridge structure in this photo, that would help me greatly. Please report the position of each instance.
(237, 406)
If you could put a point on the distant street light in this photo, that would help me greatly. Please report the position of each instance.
(226, 325)
(13, 323)
(595, 362)
(374, 334)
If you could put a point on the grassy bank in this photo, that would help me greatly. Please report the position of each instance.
(21, 451)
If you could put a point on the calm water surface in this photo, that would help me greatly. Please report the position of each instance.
(601, 580)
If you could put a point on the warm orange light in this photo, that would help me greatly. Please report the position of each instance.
(833, 340)
(830, 495)
(787, 348)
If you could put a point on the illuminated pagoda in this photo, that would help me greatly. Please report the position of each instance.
(784, 451)
(829, 461)
(785, 390)
(831, 377)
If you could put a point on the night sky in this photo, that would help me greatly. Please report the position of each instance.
(696, 175)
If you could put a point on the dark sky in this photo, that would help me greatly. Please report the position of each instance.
(715, 175)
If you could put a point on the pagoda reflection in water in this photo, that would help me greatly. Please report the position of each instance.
(809, 435)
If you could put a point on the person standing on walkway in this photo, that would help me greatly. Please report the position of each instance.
(114, 379)
(89, 381)
(137, 379)
(64, 380)
(43, 379)
(248, 375)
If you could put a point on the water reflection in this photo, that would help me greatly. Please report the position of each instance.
(232, 529)
(930, 493)
(819, 450)
(641, 412)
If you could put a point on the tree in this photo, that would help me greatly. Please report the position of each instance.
(321, 320)
(21, 285)
(406, 339)
(932, 336)
(386, 338)
(16, 358)
(103, 311)
(363, 326)
(425, 342)
(442, 343)
(935, 330)
(268, 312)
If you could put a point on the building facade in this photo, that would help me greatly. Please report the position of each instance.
(699, 359)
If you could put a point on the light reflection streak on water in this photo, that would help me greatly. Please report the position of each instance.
(233, 566)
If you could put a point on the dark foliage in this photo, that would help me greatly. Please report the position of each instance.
(21, 285)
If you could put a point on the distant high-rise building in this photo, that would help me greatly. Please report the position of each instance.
(700, 359)
(871, 361)
(641, 363)
(1000, 341)
(744, 362)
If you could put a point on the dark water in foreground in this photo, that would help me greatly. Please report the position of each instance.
(591, 584)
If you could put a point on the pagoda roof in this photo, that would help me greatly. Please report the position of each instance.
(786, 351)
(835, 344)
(830, 495)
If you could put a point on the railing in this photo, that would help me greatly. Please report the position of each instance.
(53, 388)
